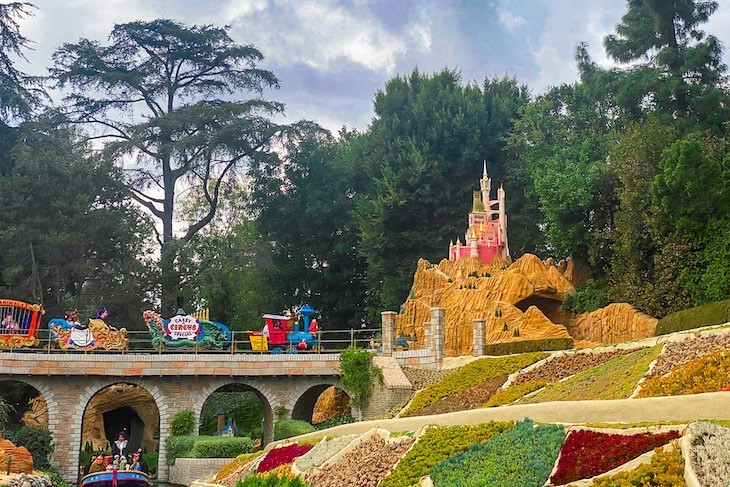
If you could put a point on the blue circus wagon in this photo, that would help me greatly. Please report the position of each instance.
(285, 333)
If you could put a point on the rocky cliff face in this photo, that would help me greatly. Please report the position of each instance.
(617, 322)
(21, 459)
(333, 403)
(37, 414)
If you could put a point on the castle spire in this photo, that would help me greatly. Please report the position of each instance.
(485, 169)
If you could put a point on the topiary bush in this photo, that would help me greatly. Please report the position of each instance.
(221, 447)
(182, 423)
(709, 314)
(286, 428)
(38, 441)
(587, 297)
(179, 447)
(524, 346)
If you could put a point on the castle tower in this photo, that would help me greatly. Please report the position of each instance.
(486, 235)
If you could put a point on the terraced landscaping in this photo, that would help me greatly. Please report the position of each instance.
(666, 469)
(615, 379)
(708, 373)
(564, 366)
(677, 354)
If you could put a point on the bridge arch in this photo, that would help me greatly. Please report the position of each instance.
(262, 391)
(307, 400)
(160, 419)
(51, 420)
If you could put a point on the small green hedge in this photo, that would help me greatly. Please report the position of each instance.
(286, 428)
(271, 480)
(524, 346)
(205, 447)
(38, 441)
(522, 456)
(708, 314)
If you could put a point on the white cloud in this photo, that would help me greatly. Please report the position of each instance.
(510, 20)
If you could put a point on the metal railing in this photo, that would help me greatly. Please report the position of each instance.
(328, 341)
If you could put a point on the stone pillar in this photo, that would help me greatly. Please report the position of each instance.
(437, 335)
(426, 335)
(479, 335)
(388, 336)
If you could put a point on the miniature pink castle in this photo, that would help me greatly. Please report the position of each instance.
(486, 236)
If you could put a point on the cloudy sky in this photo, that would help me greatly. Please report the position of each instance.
(332, 55)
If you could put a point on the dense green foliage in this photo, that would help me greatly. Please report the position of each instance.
(359, 375)
(436, 445)
(205, 447)
(182, 423)
(523, 346)
(38, 441)
(243, 407)
(588, 297)
(287, 428)
(523, 456)
(470, 375)
(270, 480)
(705, 315)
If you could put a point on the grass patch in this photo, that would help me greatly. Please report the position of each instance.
(436, 445)
(708, 373)
(708, 314)
(615, 379)
(514, 392)
(470, 375)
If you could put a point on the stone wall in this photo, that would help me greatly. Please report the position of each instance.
(186, 470)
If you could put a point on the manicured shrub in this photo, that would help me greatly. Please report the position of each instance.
(586, 453)
(470, 375)
(182, 423)
(708, 314)
(615, 379)
(271, 480)
(666, 469)
(436, 445)
(523, 346)
(514, 392)
(38, 441)
(221, 447)
(179, 447)
(522, 456)
(709, 373)
(282, 456)
(286, 428)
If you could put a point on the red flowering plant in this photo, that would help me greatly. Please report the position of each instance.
(282, 456)
(586, 454)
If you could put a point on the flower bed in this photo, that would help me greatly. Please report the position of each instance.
(587, 453)
(677, 354)
(421, 378)
(282, 456)
(522, 456)
(666, 469)
(710, 453)
(616, 379)
(470, 375)
(709, 373)
(365, 465)
(436, 445)
(514, 392)
(239, 468)
(322, 451)
(561, 367)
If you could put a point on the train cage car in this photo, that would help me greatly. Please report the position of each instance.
(19, 323)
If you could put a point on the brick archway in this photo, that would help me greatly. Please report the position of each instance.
(48, 396)
(74, 423)
(263, 391)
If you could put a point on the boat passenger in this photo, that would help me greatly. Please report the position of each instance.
(142, 462)
(136, 464)
(97, 465)
(120, 445)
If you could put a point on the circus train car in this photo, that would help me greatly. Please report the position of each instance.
(286, 334)
(19, 323)
(186, 331)
(70, 334)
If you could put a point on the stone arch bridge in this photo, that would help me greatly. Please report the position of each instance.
(176, 382)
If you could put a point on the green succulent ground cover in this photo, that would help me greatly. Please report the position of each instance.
(615, 379)
(512, 393)
(522, 456)
(436, 445)
(470, 375)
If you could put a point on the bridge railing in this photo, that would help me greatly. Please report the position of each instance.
(328, 341)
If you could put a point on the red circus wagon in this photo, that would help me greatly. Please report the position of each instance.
(19, 323)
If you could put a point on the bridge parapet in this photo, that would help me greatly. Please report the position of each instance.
(169, 365)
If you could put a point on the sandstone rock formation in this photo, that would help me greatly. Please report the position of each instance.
(21, 459)
(617, 322)
(333, 403)
(114, 397)
(37, 414)
(520, 295)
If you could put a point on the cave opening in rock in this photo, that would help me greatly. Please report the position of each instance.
(551, 308)
(127, 420)
(322, 403)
